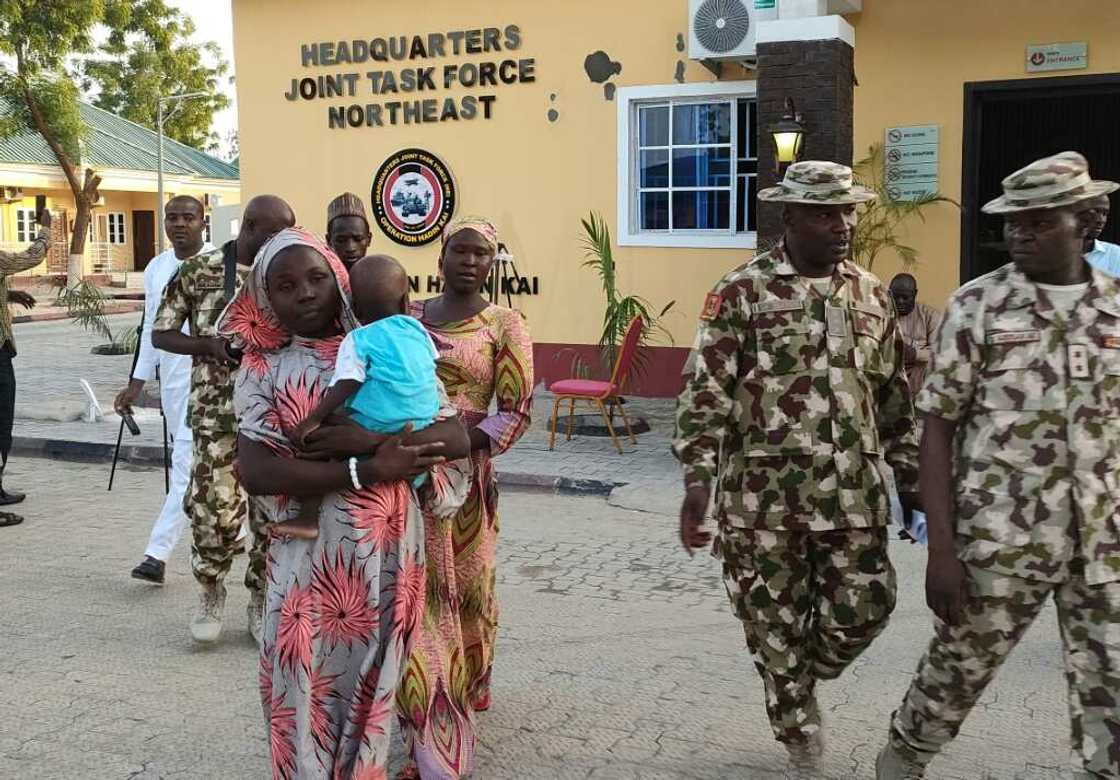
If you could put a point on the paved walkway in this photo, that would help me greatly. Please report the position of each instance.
(50, 406)
(618, 658)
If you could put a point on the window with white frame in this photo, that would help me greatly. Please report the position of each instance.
(688, 165)
(26, 226)
(115, 233)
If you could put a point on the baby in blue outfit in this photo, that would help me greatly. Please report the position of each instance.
(385, 373)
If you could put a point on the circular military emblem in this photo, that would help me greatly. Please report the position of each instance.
(413, 197)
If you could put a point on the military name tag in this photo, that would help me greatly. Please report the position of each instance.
(776, 305)
(1014, 337)
(835, 317)
(1078, 361)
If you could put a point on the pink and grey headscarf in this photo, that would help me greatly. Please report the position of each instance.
(483, 227)
(249, 321)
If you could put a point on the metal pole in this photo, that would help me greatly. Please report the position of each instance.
(131, 372)
(166, 455)
(159, 176)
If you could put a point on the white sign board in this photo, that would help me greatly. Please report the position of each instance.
(911, 154)
(912, 191)
(914, 134)
(1057, 56)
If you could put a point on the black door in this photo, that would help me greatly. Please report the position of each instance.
(1008, 124)
(143, 239)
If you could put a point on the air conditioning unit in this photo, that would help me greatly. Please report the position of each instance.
(722, 30)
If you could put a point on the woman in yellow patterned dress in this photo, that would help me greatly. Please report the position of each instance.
(485, 355)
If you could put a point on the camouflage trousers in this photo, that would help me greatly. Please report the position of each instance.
(217, 506)
(962, 660)
(810, 603)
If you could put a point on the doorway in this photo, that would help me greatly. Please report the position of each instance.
(1009, 124)
(143, 239)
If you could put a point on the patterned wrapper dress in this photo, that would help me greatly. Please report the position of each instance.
(342, 609)
(486, 358)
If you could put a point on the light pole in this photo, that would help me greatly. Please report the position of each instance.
(159, 159)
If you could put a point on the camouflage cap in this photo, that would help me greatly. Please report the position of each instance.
(817, 182)
(345, 205)
(1048, 183)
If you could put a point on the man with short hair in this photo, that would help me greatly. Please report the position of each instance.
(217, 505)
(183, 222)
(918, 324)
(795, 404)
(1020, 462)
(347, 229)
(13, 263)
(1100, 254)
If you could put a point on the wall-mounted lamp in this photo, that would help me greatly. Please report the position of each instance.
(788, 134)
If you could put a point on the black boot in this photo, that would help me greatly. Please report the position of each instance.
(150, 570)
(10, 497)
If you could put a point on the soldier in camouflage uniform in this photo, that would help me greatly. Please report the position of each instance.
(215, 502)
(795, 404)
(1021, 475)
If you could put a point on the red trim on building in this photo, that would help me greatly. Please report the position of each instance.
(661, 378)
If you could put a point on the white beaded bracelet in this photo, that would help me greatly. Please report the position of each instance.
(354, 474)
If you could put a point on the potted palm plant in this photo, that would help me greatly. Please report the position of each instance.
(618, 311)
(85, 303)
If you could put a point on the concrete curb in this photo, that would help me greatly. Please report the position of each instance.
(115, 307)
(150, 456)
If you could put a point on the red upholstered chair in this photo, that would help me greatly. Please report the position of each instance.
(598, 393)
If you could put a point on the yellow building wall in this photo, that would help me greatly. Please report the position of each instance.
(536, 178)
(912, 60)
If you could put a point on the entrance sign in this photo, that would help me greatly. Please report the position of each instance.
(413, 197)
(911, 154)
(1057, 56)
(405, 79)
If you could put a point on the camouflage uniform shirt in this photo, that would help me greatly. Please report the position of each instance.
(1036, 399)
(794, 402)
(197, 295)
(13, 263)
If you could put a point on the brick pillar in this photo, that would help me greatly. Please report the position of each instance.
(820, 77)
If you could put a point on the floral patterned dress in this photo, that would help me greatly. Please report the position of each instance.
(488, 357)
(342, 609)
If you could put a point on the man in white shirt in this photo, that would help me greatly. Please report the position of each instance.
(1100, 254)
(183, 221)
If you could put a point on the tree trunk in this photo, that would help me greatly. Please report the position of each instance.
(83, 201)
(85, 192)
(74, 269)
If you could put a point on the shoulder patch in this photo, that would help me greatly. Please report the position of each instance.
(1110, 342)
(711, 307)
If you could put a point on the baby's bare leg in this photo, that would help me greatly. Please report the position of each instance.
(306, 524)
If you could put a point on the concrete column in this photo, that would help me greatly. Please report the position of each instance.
(811, 61)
